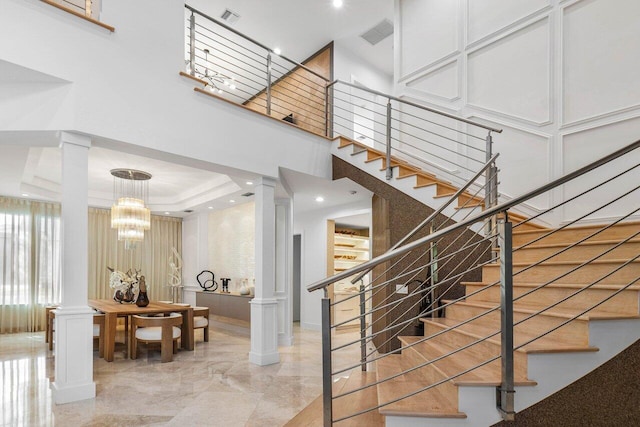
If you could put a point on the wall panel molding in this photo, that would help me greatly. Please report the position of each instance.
(533, 15)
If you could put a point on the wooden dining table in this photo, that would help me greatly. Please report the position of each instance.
(113, 309)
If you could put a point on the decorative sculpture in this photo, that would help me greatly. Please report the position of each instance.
(206, 280)
(175, 276)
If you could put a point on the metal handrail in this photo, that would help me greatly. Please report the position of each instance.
(233, 30)
(503, 207)
(435, 213)
(422, 107)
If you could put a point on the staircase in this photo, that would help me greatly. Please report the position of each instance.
(575, 305)
(583, 336)
(423, 186)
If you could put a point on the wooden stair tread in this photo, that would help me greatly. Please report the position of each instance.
(550, 263)
(602, 286)
(460, 362)
(312, 415)
(578, 232)
(429, 403)
(565, 312)
(480, 332)
(583, 227)
(566, 244)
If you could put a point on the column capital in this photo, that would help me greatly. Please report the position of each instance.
(75, 139)
(267, 181)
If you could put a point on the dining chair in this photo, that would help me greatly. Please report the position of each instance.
(201, 320)
(165, 330)
(98, 329)
(51, 324)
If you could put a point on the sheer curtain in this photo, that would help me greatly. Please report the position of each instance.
(150, 256)
(29, 263)
(30, 259)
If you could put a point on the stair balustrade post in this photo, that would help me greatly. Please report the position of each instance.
(505, 392)
(388, 141)
(327, 386)
(363, 329)
(192, 44)
(269, 83)
(326, 111)
(433, 273)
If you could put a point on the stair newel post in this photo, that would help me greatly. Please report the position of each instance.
(269, 83)
(192, 44)
(491, 188)
(388, 141)
(505, 392)
(363, 329)
(327, 389)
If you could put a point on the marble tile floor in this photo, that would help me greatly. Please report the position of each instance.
(215, 385)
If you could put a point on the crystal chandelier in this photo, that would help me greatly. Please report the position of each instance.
(129, 214)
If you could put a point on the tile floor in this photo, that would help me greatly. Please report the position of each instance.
(215, 385)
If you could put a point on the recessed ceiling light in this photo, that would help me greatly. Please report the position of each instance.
(319, 199)
(249, 182)
(210, 207)
(337, 3)
(166, 213)
(25, 195)
(232, 201)
(277, 51)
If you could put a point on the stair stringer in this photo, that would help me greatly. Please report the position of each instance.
(551, 371)
(425, 195)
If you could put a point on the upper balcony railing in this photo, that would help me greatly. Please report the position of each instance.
(242, 70)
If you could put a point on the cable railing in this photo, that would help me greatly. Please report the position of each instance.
(240, 69)
(471, 310)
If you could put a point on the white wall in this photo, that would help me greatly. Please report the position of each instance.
(124, 86)
(347, 65)
(560, 77)
(232, 245)
(195, 253)
(312, 226)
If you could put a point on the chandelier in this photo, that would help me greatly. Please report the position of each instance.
(215, 79)
(129, 214)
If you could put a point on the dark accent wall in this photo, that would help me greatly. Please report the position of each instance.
(394, 215)
(608, 396)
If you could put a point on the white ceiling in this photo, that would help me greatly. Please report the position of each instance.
(302, 27)
(299, 28)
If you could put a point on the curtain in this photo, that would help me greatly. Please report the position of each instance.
(30, 274)
(31, 259)
(150, 257)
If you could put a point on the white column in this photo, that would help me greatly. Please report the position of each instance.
(74, 318)
(284, 270)
(264, 306)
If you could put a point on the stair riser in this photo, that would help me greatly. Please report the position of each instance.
(575, 333)
(626, 302)
(586, 274)
(484, 350)
(577, 253)
(617, 232)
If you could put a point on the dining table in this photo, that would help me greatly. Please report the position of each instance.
(113, 310)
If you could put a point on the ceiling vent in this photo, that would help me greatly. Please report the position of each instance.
(229, 16)
(249, 194)
(378, 33)
(188, 211)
